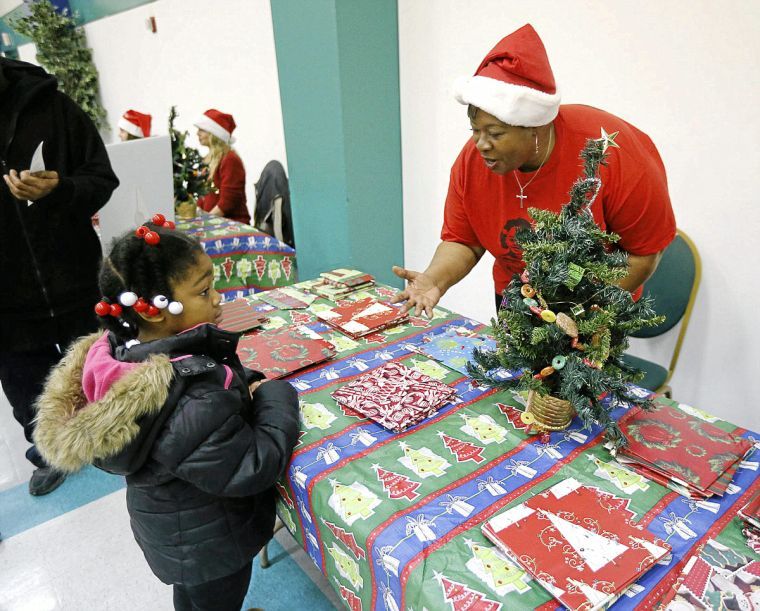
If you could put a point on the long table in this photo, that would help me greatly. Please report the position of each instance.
(393, 520)
(246, 261)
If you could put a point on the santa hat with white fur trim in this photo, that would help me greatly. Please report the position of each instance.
(514, 82)
(135, 123)
(218, 123)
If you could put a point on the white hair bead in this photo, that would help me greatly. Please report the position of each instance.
(160, 301)
(175, 307)
(128, 299)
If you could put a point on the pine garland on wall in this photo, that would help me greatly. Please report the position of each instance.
(62, 50)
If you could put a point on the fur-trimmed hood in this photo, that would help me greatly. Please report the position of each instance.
(111, 431)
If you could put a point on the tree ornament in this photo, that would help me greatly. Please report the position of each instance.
(128, 299)
(527, 290)
(175, 307)
(547, 371)
(574, 275)
(548, 316)
(558, 362)
(530, 302)
(577, 310)
(567, 325)
(524, 276)
(160, 301)
(102, 308)
(536, 310)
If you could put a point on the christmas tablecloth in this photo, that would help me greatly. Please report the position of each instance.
(394, 520)
(246, 261)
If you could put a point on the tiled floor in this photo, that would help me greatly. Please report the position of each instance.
(73, 550)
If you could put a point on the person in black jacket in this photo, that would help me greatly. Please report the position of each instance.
(56, 175)
(162, 398)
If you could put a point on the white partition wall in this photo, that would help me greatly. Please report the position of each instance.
(144, 170)
(685, 72)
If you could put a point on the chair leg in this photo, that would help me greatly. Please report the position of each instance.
(264, 553)
(666, 390)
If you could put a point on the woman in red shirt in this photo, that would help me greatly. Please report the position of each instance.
(524, 153)
(227, 196)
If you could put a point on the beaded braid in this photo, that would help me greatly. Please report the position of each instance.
(144, 269)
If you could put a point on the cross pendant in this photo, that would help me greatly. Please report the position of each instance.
(522, 198)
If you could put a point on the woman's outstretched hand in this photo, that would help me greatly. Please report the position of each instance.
(421, 293)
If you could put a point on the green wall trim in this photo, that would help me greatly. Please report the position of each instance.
(338, 72)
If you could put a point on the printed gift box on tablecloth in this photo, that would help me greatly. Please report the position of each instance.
(578, 542)
(362, 317)
(394, 396)
(279, 352)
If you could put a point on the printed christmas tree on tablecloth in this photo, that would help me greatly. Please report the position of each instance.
(484, 428)
(498, 572)
(462, 598)
(424, 462)
(353, 602)
(316, 415)
(347, 566)
(624, 479)
(352, 501)
(396, 485)
(463, 450)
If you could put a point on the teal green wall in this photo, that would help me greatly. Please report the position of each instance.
(90, 10)
(338, 72)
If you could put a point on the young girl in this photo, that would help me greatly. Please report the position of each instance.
(226, 172)
(162, 398)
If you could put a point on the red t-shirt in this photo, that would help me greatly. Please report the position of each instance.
(482, 208)
(229, 180)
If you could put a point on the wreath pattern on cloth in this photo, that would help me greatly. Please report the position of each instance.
(655, 434)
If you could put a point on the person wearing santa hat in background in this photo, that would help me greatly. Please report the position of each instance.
(227, 196)
(134, 125)
(524, 152)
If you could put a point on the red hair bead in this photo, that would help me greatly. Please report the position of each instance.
(115, 309)
(152, 238)
(169, 224)
(153, 310)
(102, 308)
(158, 219)
(140, 305)
(141, 231)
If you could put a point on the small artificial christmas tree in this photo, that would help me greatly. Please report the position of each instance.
(190, 172)
(565, 322)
